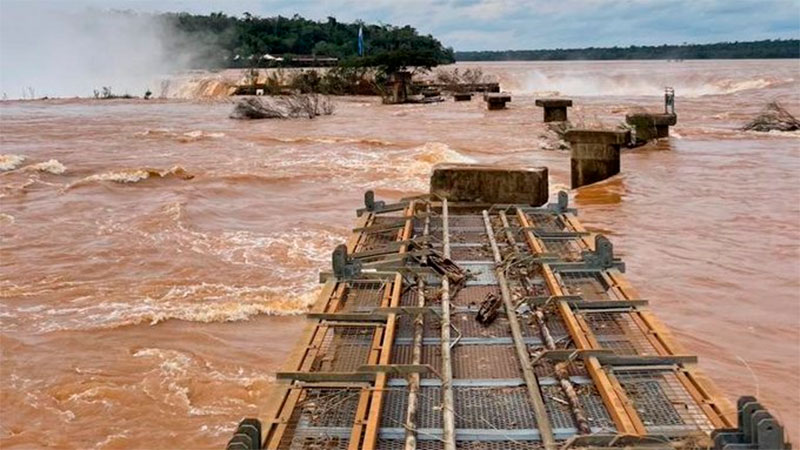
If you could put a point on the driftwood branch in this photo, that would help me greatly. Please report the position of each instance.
(773, 117)
(284, 107)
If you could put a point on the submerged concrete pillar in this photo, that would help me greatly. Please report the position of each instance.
(649, 126)
(496, 101)
(555, 109)
(595, 154)
(490, 184)
(399, 84)
(431, 92)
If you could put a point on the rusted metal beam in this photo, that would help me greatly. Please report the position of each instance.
(356, 238)
(362, 410)
(276, 435)
(535, 244)
(722, 411)
(376, 404)
(616, 401)
(312, 348)
(360, 420)
(325, 297)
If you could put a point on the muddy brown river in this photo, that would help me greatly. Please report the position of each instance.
(155, 255)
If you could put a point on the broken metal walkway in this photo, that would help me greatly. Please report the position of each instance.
(574, 358)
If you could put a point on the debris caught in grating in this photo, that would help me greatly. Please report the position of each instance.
(489, 310)
(446, 267)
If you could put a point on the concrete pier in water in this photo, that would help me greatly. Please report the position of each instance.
(650, 126)
(399, 82)
(555, 109)
(595, 154)
(495, 101)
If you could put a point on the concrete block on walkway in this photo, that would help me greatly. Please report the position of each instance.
(491, 184)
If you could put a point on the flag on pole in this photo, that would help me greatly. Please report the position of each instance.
(360, 40)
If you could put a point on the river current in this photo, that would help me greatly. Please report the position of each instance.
(155, 255)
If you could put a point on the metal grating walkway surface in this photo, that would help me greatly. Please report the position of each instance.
(397, 359)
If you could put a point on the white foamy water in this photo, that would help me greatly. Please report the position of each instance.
(643, 78)
(50, 166)
(184, 137)
(10, 162)
(122, 176)
(128, 176)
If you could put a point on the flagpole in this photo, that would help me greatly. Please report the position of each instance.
(360, 40)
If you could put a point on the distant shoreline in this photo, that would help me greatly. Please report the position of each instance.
(766, 49)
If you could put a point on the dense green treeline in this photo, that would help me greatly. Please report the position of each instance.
(220, 40)
(788, 48)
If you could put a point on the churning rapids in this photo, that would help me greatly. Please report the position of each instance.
(155, 254)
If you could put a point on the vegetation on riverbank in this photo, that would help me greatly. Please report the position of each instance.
(219, 40)
(779, 48)
(333, 81)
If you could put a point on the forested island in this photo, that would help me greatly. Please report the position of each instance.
(220, 40)
(767, 49)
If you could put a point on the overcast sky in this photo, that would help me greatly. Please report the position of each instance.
(521, 24)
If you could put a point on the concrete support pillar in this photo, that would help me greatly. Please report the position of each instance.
(555, 109)
(431, 92)
(595, 154)
(462, 96)
(496, 101)
(399, 82)
(650, 126)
